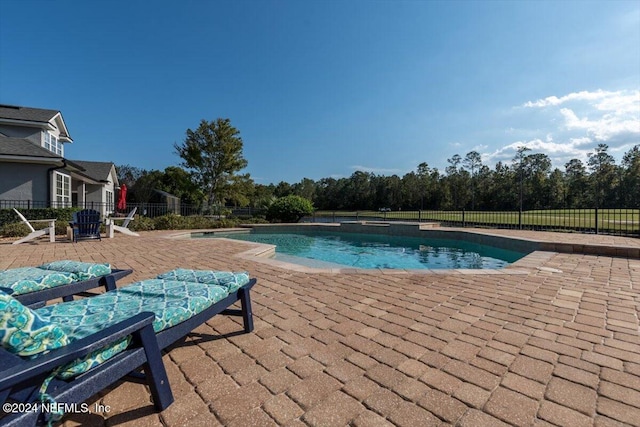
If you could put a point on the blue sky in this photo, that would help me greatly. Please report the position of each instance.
(324, 88)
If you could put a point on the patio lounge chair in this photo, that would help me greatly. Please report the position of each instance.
(86, 225)
(50, 230)
(181, 300)
(35, 391)
(58, 279)
(111, 226)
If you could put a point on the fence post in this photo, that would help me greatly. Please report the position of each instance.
(520, 219)
(596, 220)
(463, 219)
(419, 215)
(356, 215)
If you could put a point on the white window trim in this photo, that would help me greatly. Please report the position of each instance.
(62, 199)
(110, 206)
(51, 143)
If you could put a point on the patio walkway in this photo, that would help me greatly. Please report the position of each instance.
(556, 345)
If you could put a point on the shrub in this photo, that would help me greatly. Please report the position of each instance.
(61, 227)
(225, 223)
(196, 222)
(289, 209)
(14, 229)
(63, 216)
(169, 222)
(142, 223)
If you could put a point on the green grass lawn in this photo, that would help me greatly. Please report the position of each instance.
(627, 220)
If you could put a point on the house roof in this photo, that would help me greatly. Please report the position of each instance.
(27, 113)
(34, 116)
(99, 171)
(20, 147)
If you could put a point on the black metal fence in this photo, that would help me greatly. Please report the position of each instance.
(622, 222)
(150, 210)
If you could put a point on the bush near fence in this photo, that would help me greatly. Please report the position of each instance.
(10, 225)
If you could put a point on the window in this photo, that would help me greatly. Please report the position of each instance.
(109, 196)
(52, 144)
(63, 190)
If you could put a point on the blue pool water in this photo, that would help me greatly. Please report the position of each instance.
(380, 251)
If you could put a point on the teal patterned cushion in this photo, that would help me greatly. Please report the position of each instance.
(24, 332)
(171, 301)
(18, 281)
(230, 280)
(84, 270)
(93, 359)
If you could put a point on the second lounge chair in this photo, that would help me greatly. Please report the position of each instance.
(180, 301)
(58, 279)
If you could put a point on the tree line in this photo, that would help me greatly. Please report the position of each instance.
(212, 159)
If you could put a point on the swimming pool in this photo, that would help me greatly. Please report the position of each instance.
(372, 251)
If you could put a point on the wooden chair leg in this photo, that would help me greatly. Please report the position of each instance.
(247, 314)
(154, 370)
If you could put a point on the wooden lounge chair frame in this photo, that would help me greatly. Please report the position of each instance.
(50, 230)
(145, 353)
(66, 292)
(20, 379)
(171, 335)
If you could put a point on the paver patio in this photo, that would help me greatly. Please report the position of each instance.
(553, 343)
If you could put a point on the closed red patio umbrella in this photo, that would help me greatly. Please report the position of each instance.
(122, 198)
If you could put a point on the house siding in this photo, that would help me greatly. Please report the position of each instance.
(23, 181)
(32, 134)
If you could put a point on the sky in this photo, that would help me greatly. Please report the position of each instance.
(323, 88)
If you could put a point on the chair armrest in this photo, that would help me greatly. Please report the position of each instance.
(23, 369)
(124, 218)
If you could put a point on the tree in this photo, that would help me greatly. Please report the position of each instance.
(178, 182)
(576, 175)
(603, 175)
(128, 174)
(519, 165)
(213, 154)
(305, 188)
(537, 169)
(631, 177)
(473, 162)
(455, 181)
(146, 184)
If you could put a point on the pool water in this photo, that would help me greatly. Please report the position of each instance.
(380, 251)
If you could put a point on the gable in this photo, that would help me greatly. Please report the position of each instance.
(35, 117)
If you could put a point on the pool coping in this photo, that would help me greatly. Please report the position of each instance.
(539, 251)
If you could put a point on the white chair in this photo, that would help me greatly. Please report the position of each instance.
(111, 226)
(51, 230)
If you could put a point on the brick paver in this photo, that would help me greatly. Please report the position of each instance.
(552, 340)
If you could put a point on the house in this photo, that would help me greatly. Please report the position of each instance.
(34, 171)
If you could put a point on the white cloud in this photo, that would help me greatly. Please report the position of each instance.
(559, 152)
(574, 124)
(576, 96)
